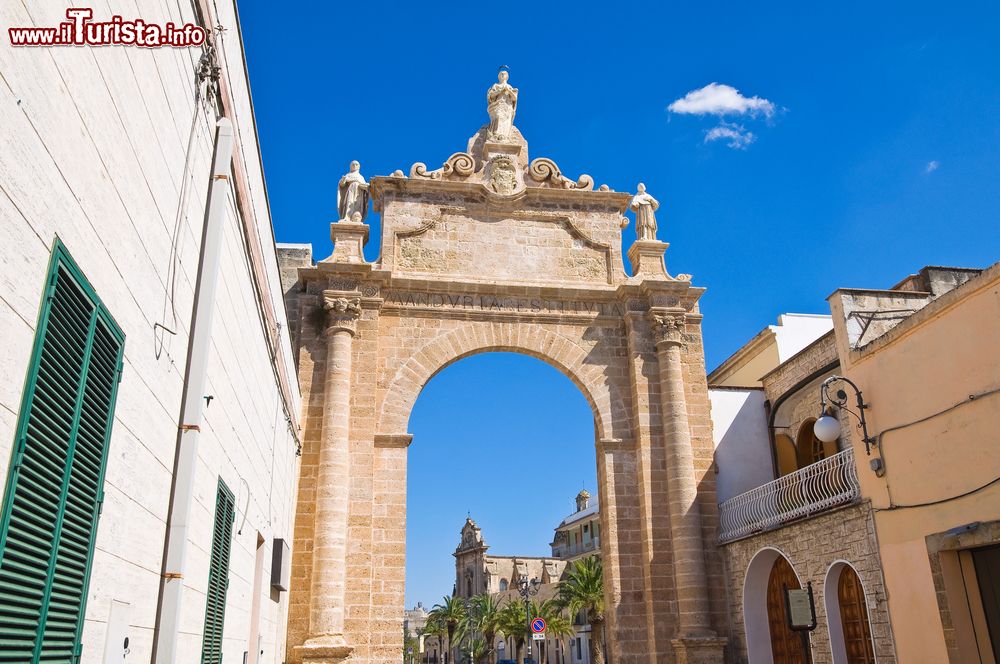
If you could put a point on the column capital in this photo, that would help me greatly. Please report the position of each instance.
(668, 327)
(342, 311)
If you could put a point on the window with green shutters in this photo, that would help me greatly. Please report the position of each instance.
(218, 575)
(54, 489)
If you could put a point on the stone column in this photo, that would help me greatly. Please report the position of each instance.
(696, 640)
(326, 643)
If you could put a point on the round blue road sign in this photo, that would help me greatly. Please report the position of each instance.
(538, 625)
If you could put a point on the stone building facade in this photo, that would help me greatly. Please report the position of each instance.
(490, 252)
(107, 166)
(817, 550)
(476, 571)
(804, 516)
(913, 547)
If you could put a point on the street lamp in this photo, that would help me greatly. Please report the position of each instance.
(528, 589)
(827, 427)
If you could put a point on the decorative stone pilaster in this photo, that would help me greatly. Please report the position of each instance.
(646, 257)
(685, 518)
(326, 643)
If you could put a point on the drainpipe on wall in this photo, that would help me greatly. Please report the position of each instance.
(172, 577)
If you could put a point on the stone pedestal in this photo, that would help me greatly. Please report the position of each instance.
(646, 257)
(349, 238)
(699, 650)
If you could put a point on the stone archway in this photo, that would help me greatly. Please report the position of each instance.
(493, 252)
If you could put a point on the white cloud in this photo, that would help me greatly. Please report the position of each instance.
(932, 166)
(736, 135)
(720, 99)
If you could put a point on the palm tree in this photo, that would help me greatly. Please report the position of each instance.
(558, 625)
(513, 623)
(435, 628)
(582, 589)
(451, 614)
(477, 648)
(482, 618)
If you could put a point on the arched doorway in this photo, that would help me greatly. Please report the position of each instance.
(786, 645)
(847, 615)
(769, 639)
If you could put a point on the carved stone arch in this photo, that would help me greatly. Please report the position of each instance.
(469, 266)
(533, 340)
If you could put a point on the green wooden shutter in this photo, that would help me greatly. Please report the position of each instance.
(54, 488)
(218, 575)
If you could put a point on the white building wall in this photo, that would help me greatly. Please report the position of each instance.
(742, 447)
(796, 331)
(93, 150)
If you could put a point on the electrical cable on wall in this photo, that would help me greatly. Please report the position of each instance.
(206, 78)
(878, 439)
(246, 506)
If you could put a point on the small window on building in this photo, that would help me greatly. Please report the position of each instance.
(503, 585)
(579, 648)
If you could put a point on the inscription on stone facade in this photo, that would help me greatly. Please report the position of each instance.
(521, 305)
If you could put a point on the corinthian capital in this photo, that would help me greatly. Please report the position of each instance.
(668, 328)
(342, 313)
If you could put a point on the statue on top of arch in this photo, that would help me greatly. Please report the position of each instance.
(501, 101)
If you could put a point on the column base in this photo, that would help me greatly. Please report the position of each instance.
(699, 649)
(330, 649)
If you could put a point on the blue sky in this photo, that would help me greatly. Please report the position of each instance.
(876, 153)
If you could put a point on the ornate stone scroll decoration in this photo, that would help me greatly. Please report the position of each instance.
(668, 328)
(502, 173)
(353, 195)
(460, 165)
(342, 313)
(546, 172)
(644, 207)
(683, 277)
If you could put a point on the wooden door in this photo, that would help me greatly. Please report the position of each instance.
(854, 618)
(987, 562)
(786, 645)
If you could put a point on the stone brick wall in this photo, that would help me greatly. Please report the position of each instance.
(810, 359)
(812, 546)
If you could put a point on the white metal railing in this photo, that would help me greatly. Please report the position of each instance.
(815, 488)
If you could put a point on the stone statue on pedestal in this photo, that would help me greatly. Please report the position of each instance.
(501, 105)
(644, 207)
(352, 195)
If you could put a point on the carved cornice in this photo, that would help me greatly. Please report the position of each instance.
(667, 327)
(342, 311)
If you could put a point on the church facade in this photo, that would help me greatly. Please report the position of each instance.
(477, 571)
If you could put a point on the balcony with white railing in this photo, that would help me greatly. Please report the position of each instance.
(816, 488)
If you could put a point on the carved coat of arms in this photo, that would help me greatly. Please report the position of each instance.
(503, 175)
